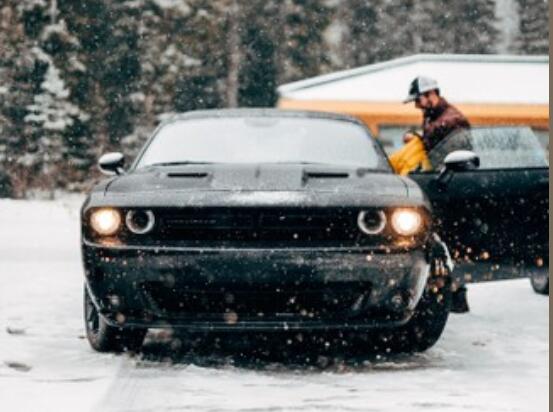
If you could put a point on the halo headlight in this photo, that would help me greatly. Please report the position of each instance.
(140, 221)
(371, 222)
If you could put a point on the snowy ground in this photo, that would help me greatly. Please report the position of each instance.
(493, 359)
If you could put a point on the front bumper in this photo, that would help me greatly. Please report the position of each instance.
(254, 289)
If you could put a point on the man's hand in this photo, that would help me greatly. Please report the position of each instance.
(408, 136)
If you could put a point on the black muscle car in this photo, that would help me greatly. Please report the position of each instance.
(261, 220)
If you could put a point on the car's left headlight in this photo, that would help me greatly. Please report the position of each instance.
(106, 221)
(406, 222)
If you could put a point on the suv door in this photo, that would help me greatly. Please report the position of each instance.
(495, 218)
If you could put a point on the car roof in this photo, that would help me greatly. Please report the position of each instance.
(261, 112)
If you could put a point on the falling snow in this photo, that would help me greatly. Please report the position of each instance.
(487, 360)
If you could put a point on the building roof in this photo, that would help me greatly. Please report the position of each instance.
(499, 79)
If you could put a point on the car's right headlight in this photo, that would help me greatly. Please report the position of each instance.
(106, 221)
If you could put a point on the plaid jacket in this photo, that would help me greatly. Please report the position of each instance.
(440, 121)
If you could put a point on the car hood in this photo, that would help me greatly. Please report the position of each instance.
(256, 185)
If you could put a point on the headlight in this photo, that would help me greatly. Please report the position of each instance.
(371, 222)
(105, 222)
(140, 221)
(406, 222)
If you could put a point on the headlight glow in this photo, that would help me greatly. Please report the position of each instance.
(105, 222)
(406, 222)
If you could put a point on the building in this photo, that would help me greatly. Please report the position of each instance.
(489, 90)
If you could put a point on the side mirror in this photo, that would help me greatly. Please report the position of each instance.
(112, 163)
(461, 160)
(457, 161)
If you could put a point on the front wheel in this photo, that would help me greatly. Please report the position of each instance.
(105, 338)
(428, 322)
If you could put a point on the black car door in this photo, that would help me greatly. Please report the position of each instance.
(495, 218)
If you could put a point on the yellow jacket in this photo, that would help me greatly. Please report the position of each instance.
(410, 157)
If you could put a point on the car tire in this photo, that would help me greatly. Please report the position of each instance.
(428, 322)
(540, 281)
(105, 338)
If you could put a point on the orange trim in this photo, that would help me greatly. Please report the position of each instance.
(375, 114)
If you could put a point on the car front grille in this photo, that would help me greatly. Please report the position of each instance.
(292, 225)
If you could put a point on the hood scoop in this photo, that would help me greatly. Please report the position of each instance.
(187, 175)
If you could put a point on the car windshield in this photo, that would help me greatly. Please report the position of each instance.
(264, 140)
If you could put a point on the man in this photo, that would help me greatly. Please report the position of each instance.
(439, 120)
(439, 117)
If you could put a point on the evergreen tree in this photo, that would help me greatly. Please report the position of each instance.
(302, 51)
(53, 118)
(108, 36)
(182, 63)
(80, 78)
(19, 79)
(43, 123)
(459, 27)
(60, 49)
(258, 74)
(403, 28)
(362, 39)
(534, 27)
(258, 69)
(385, 29)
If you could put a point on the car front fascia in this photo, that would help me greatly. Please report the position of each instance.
(120, 271)
(116, 268)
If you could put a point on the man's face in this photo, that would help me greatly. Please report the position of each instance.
(427, 100)
(423, 102)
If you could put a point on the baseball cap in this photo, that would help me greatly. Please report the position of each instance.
(420, 85)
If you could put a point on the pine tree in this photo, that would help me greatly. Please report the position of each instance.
(302, 51)
(182, 64)
(107, 36)
(534, 27)
(258, 74)
(18, 81)
(404, 28)
(362, 39)
(258, 69)
(78, 78)
(459, 26)
(53, 118)
(386, 29)
(40, 111)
